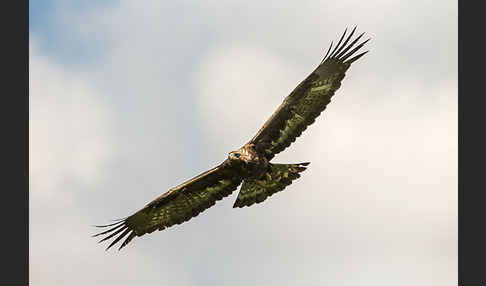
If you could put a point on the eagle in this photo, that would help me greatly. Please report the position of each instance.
(250, 165)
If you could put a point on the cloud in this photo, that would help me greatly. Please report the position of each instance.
(69, 127)
(133, 99)
(70, 147)
(236, 81)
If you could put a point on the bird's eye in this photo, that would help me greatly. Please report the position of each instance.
(237, 155)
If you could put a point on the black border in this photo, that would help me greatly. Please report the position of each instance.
(471, 78)
(14, 212)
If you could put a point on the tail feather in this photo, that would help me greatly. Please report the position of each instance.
(275, 180)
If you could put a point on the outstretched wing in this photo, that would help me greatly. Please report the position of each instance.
(176, 206)
(308, 99)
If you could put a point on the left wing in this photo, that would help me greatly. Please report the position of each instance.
(178, 205)
(307, 100)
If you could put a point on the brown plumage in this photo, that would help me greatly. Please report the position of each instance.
(251, 163)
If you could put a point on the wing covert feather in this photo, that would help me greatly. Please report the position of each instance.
(306, 102)
(178, 205)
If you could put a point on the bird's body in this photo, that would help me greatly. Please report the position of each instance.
(251, 163)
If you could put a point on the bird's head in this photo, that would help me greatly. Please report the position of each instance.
(239, 156)
(234, 156)
(242, 155)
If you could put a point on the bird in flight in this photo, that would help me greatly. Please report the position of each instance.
(249, 165)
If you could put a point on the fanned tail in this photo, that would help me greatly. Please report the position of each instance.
(275, 180)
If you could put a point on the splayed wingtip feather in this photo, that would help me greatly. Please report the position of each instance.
(344, 44)
(353, 59)
(108, 231)
(340, 40)
(329, 49)
(350, 46)
(113, 234)
(118, 238)
(354, 50)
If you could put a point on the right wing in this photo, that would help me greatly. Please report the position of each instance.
(307, 100)
(178, 205)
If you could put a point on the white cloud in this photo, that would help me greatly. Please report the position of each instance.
(69, 127)
(239, 87)
(71, 145)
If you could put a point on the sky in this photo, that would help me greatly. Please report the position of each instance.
(128, 100)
